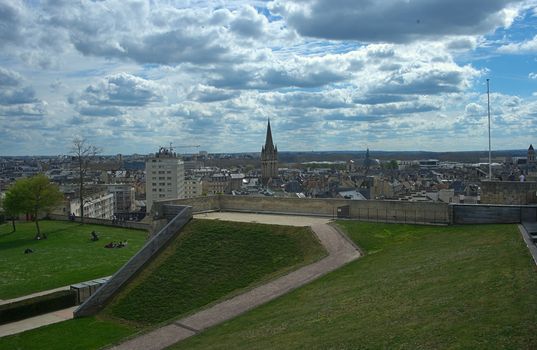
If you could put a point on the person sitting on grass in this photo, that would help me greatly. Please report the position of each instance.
(94, 236)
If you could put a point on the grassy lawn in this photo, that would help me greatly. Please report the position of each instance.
(83, 333)
(419, 287)
(68, 255)
(209, 260)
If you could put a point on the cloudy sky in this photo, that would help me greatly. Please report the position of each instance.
(330, 74)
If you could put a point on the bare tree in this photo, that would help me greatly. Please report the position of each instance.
(84, 154)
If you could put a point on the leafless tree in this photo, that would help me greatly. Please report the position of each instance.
(84, 154)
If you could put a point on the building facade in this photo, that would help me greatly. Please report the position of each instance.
(98, 205)
(193, 187)
(269, 158)
(123, 198)
(164, 178)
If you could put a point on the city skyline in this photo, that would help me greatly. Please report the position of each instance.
(330, 75)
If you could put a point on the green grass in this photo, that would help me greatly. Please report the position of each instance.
(419, 287)
(83, 333)
(208, 261)
(68, 255)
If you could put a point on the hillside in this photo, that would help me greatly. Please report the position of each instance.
(419, 287)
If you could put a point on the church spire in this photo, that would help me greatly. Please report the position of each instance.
(268, 140)
(269, 158)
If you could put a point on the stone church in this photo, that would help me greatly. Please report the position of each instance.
(269, 158)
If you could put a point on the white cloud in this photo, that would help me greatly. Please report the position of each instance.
(138, 74)
(528, 46)
(17, 99)
(111, 95)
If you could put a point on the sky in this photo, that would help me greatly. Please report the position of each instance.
(130, 76)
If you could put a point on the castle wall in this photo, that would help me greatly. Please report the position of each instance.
(508, 192)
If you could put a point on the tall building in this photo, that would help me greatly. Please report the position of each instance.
(164, 177)
(269, 158)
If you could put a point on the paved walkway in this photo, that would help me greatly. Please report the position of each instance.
(29, 296)
(341, 251)
(40, 320)
(288, 220)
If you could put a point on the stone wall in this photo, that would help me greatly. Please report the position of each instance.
(508, 192)
(127, 224)
(105, 293)
(198, 204)
(371, 210)
(385, 211)
(493, 214)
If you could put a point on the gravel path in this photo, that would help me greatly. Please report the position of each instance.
(340, 251)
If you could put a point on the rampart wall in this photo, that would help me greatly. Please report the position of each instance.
(126, 224)
(508, 192)
(371, 210)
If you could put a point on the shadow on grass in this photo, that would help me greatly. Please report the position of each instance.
(67, 228)
(2, 235)
(18, 243)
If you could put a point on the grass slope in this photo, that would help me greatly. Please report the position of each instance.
(82, 333)
(67, 256)
(209, 260)
(419, 287)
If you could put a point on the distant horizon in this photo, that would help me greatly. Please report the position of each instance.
(281, 151)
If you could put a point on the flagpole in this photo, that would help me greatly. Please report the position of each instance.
(490, 152)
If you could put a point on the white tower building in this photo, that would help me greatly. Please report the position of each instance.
(164, 177)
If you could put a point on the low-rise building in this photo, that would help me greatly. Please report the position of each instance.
(193, 187)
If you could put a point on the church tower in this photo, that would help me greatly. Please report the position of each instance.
(531, 155)
(269, 158)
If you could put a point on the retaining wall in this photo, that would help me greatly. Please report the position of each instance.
(508, 192)
(493, 214)
(126, 224)
(198, 204)
(372, 210)
(104, 294)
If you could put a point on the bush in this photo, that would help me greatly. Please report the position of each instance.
(37, 306)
